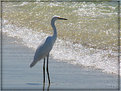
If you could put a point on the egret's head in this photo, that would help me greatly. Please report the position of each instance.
(58, 18)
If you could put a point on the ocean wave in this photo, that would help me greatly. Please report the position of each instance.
(66, 51)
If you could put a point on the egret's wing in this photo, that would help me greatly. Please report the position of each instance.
(42, 51)
(37, 55)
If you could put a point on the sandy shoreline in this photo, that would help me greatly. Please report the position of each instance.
(18, 75)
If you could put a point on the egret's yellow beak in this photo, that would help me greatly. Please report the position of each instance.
(62, 18)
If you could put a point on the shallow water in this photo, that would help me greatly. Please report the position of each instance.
(16, 73)
(89, 37)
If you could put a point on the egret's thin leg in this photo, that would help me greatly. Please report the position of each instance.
(47, 69)
(44, 72)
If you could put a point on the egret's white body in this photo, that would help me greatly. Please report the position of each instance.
(44, 49)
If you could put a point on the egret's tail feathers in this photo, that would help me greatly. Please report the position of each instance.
(33, 63)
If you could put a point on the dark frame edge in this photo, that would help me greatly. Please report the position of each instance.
(65, 1)
(119, 45)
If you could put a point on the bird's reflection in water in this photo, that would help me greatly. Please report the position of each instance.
(43, 86)
(47, 87)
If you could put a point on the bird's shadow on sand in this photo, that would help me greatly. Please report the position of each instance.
(33, 84)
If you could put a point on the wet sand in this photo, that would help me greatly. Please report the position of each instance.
(18, 75)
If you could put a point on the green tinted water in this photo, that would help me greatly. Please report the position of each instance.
(90, 24)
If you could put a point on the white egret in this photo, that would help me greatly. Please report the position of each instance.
(44, 49)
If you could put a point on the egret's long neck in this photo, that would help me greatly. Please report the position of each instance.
(54, 29)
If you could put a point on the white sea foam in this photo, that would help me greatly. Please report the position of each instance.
(22, 4)
(95, 10)
(66, 51)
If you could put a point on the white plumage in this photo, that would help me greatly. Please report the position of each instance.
(44, 49)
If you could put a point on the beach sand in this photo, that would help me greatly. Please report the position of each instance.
(16, 73)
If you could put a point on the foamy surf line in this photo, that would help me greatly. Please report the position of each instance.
(76, 54)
